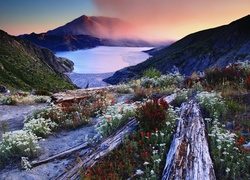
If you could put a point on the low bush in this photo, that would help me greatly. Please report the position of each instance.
(42, 93)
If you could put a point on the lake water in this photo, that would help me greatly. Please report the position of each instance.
(104, 59)
(93, 65)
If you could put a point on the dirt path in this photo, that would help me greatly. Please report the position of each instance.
(14, 115)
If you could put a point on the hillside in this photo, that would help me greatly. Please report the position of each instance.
(67, 42)
(25, 66)
(197, 51)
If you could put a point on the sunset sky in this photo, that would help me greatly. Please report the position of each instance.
(160, 19)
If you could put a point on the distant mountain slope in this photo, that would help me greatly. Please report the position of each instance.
(88, 32)
(23, 65)
(101, 27)
(67, 42)
(198, 51)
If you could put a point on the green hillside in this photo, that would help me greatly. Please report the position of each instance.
(25, 66)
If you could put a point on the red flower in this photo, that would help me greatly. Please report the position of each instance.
(88, 175)
(146, 153)
(148, 134)
(238, 127)
(156, 129)
(131, 150)
(122, 111)
(131, 101)
(111, 165)
(140, 142)
(246, 149)
(142, 134)
(126, 101)
(108, 118)
(76, 122)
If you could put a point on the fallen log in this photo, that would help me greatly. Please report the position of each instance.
(80, 94)
(188, 157)
(101, 150)
(61, 154)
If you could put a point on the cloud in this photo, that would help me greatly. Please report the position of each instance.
(173, 16)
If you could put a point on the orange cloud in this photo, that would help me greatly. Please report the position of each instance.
(174, 18)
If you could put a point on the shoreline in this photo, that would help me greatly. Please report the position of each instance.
(94, 80)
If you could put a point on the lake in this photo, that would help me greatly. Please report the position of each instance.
(98, 63)
(105, 59)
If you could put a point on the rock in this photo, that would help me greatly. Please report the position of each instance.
(122, 75)
(247, 145)
(229, 125)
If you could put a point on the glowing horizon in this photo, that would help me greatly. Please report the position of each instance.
(158, 19)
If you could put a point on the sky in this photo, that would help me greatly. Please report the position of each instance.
(157, 19)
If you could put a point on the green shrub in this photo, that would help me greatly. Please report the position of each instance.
(151, 73)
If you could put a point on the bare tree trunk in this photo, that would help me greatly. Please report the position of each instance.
(188, 157)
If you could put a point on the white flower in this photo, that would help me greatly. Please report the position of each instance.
(152, 172)
(139, 172)
(227, 170)
(145, 163)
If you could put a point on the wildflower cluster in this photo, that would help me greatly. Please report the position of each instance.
(13, 99)
(162, 81)
(182, 95)
(152, 114)
(18, 143)
(234, 74)
(211, 103)
(226, 148)
(229, 156)
(114, 117)
(41, 127)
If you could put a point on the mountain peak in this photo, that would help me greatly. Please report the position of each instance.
(83, 18)
(97, 26)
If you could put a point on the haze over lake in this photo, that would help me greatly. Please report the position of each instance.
(105, 59)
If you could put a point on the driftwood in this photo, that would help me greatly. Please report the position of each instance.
(188, 157)
(61, 154)
(79, 94)
(101, 150)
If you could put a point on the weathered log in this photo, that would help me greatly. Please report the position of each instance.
(79, 93)
(61, 154)
(188, 157)
(101, 150)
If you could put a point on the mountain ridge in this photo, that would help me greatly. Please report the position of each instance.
(197, 51)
